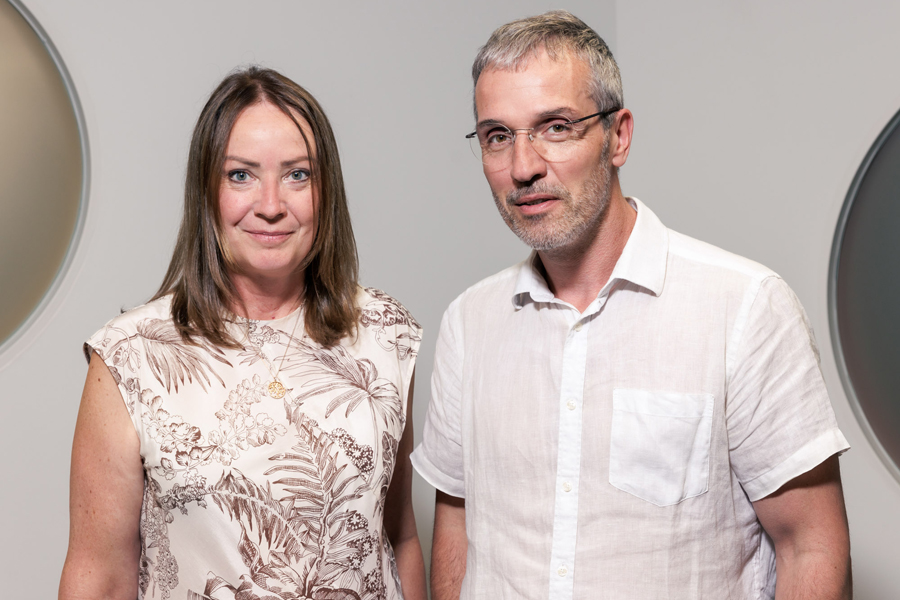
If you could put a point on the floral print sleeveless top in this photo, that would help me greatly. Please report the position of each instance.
(255, 492)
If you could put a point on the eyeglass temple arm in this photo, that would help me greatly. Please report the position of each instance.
(602, 113)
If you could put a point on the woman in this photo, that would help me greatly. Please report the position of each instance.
(223, 449)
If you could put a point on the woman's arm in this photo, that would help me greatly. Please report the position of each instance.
(399, 520)
(105, 493)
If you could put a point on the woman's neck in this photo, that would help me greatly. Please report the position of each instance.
(266, 300)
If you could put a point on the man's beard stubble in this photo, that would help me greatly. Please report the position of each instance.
(581, 215)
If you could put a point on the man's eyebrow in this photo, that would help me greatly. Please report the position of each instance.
(488, 123)
(561, 111)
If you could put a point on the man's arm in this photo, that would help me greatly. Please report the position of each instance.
(448, 550)
(807, 521)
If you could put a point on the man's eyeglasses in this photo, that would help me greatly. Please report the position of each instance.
(551, 139)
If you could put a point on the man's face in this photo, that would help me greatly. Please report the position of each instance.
(549, 205)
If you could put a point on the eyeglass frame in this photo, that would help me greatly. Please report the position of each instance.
(514, 132)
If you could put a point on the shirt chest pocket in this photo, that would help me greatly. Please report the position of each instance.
(659, 444)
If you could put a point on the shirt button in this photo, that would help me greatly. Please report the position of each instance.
(571, 404)
(567, 487)
(577, 327)
(562, 571)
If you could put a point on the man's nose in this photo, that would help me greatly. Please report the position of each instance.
(527, 164)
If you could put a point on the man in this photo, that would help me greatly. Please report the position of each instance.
(629, 413)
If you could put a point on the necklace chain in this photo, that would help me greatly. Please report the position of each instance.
(275, 388)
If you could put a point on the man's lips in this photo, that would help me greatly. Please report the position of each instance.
(533, 199)
(534, 204)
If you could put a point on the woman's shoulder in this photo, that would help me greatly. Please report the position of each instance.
(388, 322)
(128, 323)
(158, 309)
(377, 307)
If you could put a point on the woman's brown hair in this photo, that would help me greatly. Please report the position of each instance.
(198, 278)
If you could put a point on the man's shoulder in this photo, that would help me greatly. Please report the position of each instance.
(496, 290)
(706, 256)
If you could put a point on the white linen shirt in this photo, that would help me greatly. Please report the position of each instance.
(616, 453)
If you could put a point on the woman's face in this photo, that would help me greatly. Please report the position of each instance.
(267, 201)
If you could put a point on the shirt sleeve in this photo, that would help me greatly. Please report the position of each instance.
(780, 420)
(439, 457)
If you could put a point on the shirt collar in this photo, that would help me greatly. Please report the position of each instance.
(643, 261)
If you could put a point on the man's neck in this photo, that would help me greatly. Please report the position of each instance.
(577, 274)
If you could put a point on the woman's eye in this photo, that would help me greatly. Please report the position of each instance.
(239, 176)
(299, 175)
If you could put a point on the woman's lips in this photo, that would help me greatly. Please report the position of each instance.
(271, 237)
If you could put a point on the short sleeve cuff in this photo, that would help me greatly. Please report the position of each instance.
(433, 475)
(805, 459)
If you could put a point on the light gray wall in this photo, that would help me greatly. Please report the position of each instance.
(751, 120)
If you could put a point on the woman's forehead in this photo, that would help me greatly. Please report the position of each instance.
(264, 124)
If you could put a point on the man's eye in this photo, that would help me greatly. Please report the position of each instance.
(498, 138)
(557, 131)
(299, 175)
(239, 176)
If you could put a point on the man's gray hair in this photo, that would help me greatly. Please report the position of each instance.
(557, 32)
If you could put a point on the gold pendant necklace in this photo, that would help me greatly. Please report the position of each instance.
(275, 388)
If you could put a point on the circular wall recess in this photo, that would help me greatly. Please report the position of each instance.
(43, 170)
(864, 295)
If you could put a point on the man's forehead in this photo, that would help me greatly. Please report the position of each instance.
(539, 54)
(539, 84)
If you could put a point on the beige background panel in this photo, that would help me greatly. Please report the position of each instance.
(40, 170)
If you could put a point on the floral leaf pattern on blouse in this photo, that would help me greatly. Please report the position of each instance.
(357, 380)
(255, 336)
(389, 453)
(158, 569)
(296, 485)
(171, 360)
(303, 537)
(383, 312)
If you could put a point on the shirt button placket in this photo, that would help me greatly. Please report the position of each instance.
(570, 405)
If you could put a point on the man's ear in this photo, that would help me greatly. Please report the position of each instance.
(621, 132)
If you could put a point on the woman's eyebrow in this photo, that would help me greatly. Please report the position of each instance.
(284, 163)
(243, 161)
